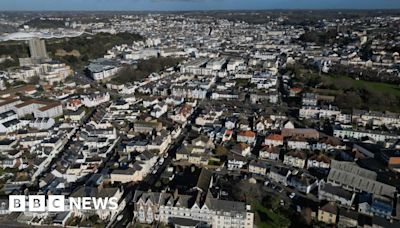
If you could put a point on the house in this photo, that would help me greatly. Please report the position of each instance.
(235, 162)
(241, 149)
(203, 141)
(126, 175)
(102, 69)
(382, 206)
(274, 140)
(147, 126)
(320, 161)
(93, 100)
(42, 123)
(258, 168)
(8, 144)
(260, 127)
(10, 162)
(328, 143)
(73, 104)
(50, 110)
(146, 206)
(297, 143)
(347, 218)
(75, 115)
(227, 135)
(306, 133)
(336, 194)
(244, 124)
(295, 159)
(11, 126)
(270, 153)
(182, 114)
(309, 99)
(199, 159)
(328, 213)
(196, 210)
(279, 174)
(248, 137)
(359, 134)
(62, 218)
(185, 151)
(370, 204)
(302, 182)
(294, 91)
(160, 142)
(159, 110)
(230, 122)
(394, 164)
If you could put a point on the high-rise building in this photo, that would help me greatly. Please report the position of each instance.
(37, 49)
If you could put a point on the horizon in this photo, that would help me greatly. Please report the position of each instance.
(193, 5)
(204, 10)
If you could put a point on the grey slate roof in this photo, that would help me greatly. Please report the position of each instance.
(349, 174)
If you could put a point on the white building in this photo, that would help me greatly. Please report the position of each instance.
(179, 209)
(95, 99)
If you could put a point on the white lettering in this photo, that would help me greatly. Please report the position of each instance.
(100, 203)
(86, 203)
(37, 203)
(113, 202)
(16, 203)
(56, 203)
(75, 203)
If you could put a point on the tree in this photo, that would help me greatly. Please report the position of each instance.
(221, 150)
(349, 100)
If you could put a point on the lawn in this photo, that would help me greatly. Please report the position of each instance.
(360, 94)
(266, 218)
(343, 82)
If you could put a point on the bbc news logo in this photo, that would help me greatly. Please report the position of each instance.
(58, 203)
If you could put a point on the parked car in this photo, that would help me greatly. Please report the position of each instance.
(278, 189)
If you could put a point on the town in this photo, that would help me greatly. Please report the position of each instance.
(212, 119)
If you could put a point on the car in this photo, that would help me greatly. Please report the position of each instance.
(165, 155)
(119, 218)
(278, 189)
(292, 195)
(154, 171)
(161, 161)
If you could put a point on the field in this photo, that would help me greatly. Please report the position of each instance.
(347, 83)
(360, 94)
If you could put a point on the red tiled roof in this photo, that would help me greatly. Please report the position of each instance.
(394, 161)
(274, 137)
(296, 89)
(320, 158)
(297, 154)
(247, 134)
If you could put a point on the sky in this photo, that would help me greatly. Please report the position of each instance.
(168, 5)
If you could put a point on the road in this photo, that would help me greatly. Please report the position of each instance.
(67, 145)
(151, 179)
